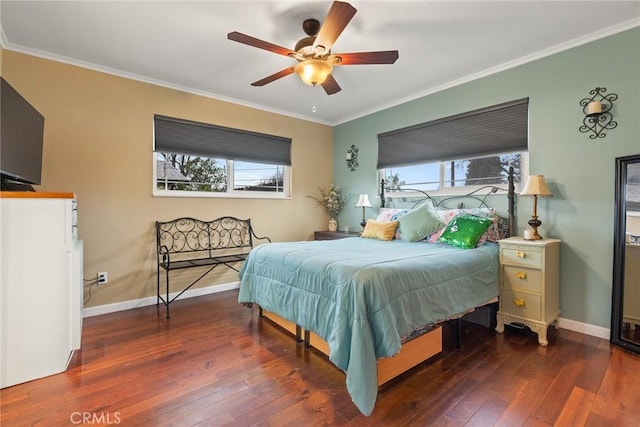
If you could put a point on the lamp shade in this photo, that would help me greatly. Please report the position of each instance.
(536, 186)
(363, 201)
(313, 71)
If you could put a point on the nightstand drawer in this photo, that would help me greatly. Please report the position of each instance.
(522, 278)
(527, 257)
(521, 304)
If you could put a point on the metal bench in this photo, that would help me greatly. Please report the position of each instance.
(189, 242)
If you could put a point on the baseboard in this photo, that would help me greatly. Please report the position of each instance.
(142, 302)
(571, 325)
(585, 328)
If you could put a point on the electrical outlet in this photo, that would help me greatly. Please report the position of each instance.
(102, 278)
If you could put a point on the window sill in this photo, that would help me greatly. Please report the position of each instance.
(236, 195)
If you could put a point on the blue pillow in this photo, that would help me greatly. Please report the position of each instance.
(418, 223)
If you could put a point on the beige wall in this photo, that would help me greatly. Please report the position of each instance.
(633, 224)
(98, 144)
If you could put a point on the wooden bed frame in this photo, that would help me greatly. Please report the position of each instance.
(413, 351)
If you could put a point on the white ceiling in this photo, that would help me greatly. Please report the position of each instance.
(183, 44)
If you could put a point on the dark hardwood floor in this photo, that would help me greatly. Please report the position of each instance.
(215, 363)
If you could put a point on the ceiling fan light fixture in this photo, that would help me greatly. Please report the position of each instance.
(313, 71)
(313, 53)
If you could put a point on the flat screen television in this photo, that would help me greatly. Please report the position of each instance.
(21, 137)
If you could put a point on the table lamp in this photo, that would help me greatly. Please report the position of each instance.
(363, 202)
(535, 187)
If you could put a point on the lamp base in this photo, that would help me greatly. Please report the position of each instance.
(532, 233)
(363, 223)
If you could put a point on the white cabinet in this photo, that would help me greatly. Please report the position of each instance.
(529, 284)
(40, 285)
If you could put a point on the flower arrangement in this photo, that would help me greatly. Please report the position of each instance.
(332, 199)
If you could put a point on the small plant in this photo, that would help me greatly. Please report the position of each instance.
(332, 199)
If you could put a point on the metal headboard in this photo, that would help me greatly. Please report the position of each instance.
(479, 194)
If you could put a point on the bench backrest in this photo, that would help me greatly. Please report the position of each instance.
(193, 236)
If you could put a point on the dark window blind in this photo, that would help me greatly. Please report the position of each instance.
(491, 130)
(179, 136)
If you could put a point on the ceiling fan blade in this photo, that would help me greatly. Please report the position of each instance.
(330, 85)
(337, 19)
(362, 58)
(261, 44)
(274, 77)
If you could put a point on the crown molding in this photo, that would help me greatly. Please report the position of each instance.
(579, 41)
(588, 38)
(155, 82)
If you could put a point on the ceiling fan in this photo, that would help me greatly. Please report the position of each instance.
(313, 53)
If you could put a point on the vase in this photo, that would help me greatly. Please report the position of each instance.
(333, 224)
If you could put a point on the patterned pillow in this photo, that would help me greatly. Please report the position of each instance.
(390, 214)
(448, 214)
(379, 230)
(502, 228)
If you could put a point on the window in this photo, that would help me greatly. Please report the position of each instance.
(197, 159)
(458, 153)
(455, 175)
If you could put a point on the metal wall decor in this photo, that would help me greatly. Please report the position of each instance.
(597, 113)
(352, 158)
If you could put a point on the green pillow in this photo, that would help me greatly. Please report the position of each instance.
(464, 231)
(418, 223)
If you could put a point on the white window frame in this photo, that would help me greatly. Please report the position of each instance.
(457, 191)
(230, 193)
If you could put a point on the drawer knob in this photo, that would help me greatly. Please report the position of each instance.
(519, 302)
(521, 275)
(520, 254)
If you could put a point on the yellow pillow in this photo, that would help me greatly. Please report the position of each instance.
(379, 230)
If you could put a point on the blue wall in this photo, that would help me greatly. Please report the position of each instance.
(579, 171)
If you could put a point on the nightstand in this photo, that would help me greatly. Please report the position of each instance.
(333, 235)
(529, 285)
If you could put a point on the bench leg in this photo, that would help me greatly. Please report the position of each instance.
(168, 301)
(158, 286)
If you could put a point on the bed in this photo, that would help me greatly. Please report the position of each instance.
(373, 306)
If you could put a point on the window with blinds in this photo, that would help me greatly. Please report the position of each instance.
(463, 151)
(192, 158)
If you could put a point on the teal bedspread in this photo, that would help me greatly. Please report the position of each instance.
(363, 295)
